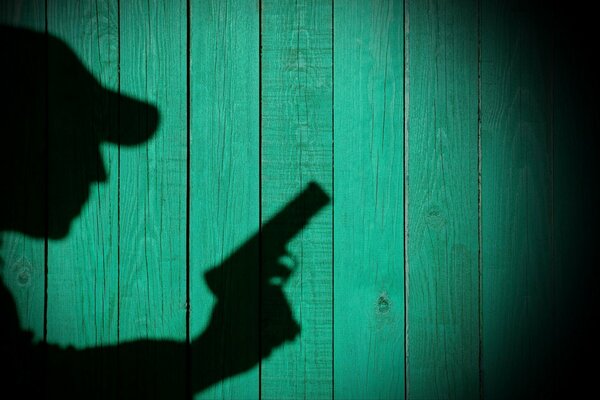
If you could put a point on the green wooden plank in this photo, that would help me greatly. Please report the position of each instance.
(27, 15)
(517, 279)
(442, 196)
(224, 194)
(152, 191)
(22, 205)
(296, 148)
(575, 124)
(83, 192)
(83, 176)
(369, 200)
(22, 259)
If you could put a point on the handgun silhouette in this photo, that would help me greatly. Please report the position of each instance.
(252, 315)
(275, 234)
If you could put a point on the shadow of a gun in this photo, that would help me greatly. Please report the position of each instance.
(252, 316)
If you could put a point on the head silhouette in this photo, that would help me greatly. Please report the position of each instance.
(54, 117)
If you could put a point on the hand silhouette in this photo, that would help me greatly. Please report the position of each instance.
(251, 318)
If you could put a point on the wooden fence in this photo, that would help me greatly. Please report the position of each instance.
(445, 261)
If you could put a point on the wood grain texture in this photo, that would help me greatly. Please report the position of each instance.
(575, 198)
(369, 200)
(152, 269)
(296, 148)
(29, 15)
(22, 259)
(82, 268)
(464, 130)
(442, 190)
(224, 189)
(516, 201)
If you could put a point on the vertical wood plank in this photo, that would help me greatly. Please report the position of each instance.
(82, 267)
(516, 200)
(82, 184)
(224, 209)
(27, 15)
(369, 199)
(153, 189)
(575, 125)
(442, 190)
(297, 148)
(22, 205)
(22, 259)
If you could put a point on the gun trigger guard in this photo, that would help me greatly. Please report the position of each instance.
(293, 261)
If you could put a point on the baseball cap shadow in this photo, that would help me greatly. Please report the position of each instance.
(55, 116)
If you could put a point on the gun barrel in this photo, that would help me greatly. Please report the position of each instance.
(297, 213)
(272, 239)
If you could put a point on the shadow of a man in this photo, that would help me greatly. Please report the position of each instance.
(50, 157)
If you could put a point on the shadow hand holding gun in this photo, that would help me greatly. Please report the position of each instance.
(252, 316)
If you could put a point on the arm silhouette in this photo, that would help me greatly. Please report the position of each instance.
(235, 340)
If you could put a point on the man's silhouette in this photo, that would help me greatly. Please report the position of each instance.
(51, 132)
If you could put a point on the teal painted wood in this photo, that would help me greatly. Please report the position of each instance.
(224, 185)
(569, 219)
(442, 197)
(120, 272)
(82, 268)
(296, 148)
(369, 200)
(22, 259)
(152, 190)
(516, 201)
(575, 199)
